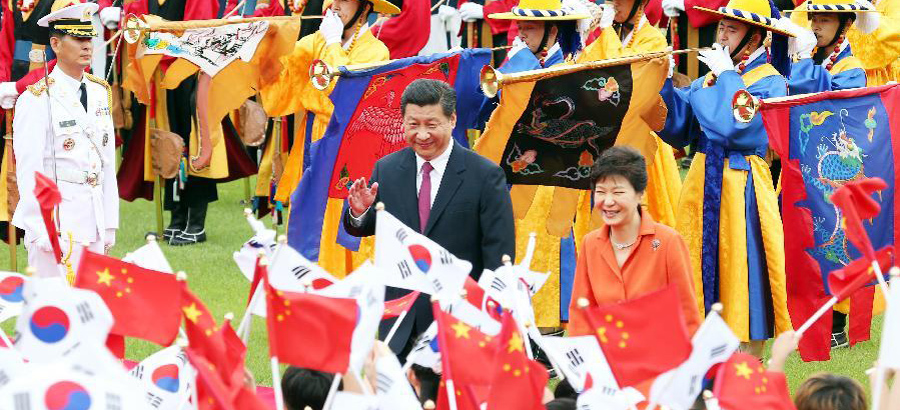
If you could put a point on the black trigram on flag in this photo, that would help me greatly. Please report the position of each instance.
(383, 382)
(401, 235)
(138, 371)
(22, 401)
(498, 284)
(113, 401)
(403, 267)
(717, 351)
(445, 257)
(575, 358)
(154, 400)
(300, 271)
(85, 313)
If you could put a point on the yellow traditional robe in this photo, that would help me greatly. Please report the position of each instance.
(292, 93)
(664, 179)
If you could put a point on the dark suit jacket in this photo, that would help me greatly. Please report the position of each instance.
(471, 217)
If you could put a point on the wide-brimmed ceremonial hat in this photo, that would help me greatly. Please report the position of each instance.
(753, 12)
(74, 20)
(378, 6)
(831, 6)
(538, 10)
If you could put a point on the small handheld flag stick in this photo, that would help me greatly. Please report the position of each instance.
(390, 335)
(529, 250)
(182, 343)
(507, 261)
(276, 384)
(331, 391)
(367, 390)
(880, 277)
(448, 383)
(711, 402)
(244, 327)
(812, 319)
(533, 332)
(878, 389)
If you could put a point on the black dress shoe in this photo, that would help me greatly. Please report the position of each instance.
(187, 238)
(839, 340)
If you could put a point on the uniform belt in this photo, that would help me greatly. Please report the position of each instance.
(78, 177)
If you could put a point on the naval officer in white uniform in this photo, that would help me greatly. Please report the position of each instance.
(71, 141)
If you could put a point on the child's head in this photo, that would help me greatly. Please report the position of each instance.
(826, 391)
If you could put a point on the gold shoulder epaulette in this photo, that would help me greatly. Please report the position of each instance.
(40, 86)
(102, 82)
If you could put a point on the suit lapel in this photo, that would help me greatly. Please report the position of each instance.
(450, 182)
(410, 197)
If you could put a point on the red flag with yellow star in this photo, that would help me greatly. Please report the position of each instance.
(461, 346)
(141, 300)
(394, 308)
(467, 397)
(518, 381)
(742, 383)
(630, 335)
(309, 330)
(218, 345)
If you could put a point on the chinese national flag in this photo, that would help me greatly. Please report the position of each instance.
(743, 384)
(309, 330)
(467, 397)
(462, 345)
(856, 203)
(220, 346)
(518, 381)
(845, 281)
(259, 272)
(630, 334)
(394, 308)
(141, 300)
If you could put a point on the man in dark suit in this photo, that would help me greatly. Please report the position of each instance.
(454, 196)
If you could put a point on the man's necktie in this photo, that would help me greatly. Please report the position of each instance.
(425, 196)
(83, 96)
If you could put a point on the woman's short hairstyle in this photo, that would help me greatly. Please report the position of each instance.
(825, 391)
(621, 161)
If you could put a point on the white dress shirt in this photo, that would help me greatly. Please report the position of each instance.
(439, 164)
(72, 85)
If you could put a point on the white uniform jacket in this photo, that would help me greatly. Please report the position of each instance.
(84, 143)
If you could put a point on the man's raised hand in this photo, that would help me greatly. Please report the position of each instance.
(361, 196)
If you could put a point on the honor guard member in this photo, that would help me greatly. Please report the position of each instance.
(64, 130)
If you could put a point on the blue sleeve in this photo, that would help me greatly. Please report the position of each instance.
(808, 77)
(712, 107)
(847, 79)
(681, 125)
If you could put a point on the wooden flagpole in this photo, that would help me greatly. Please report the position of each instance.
(11, 239)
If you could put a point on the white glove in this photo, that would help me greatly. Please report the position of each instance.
(717, 59)
(332, 28)
(446, 12)
(43, 243)
(802, 43)
(110, 16)
(672, 8)
(517, 46)
(8, 95)
(470, 12)
(867, 22)
(575, 7)
(608, 16)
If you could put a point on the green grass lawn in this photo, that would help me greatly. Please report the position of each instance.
(213, 275)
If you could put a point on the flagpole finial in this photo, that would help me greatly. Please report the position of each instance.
(718, 307)
(181, 276)
(429, 405)
(30, 271)
(229, 317)
(506, 259)
(181, 342)
(532, 235)
(282, 239)
(151, 237)
(583, 303)
(491, 304)
(894, 272)
(379, 206)
(707, 395)
(248, 212)
(260, 253)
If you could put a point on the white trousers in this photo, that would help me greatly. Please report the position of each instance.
(45, 264)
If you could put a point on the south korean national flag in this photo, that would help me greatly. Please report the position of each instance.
(166, 378)
(12, 294)
(59, 321)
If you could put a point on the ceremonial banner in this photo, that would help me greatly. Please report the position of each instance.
(826, 140)
(365, 126)
(550, 131)
(212, 49)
